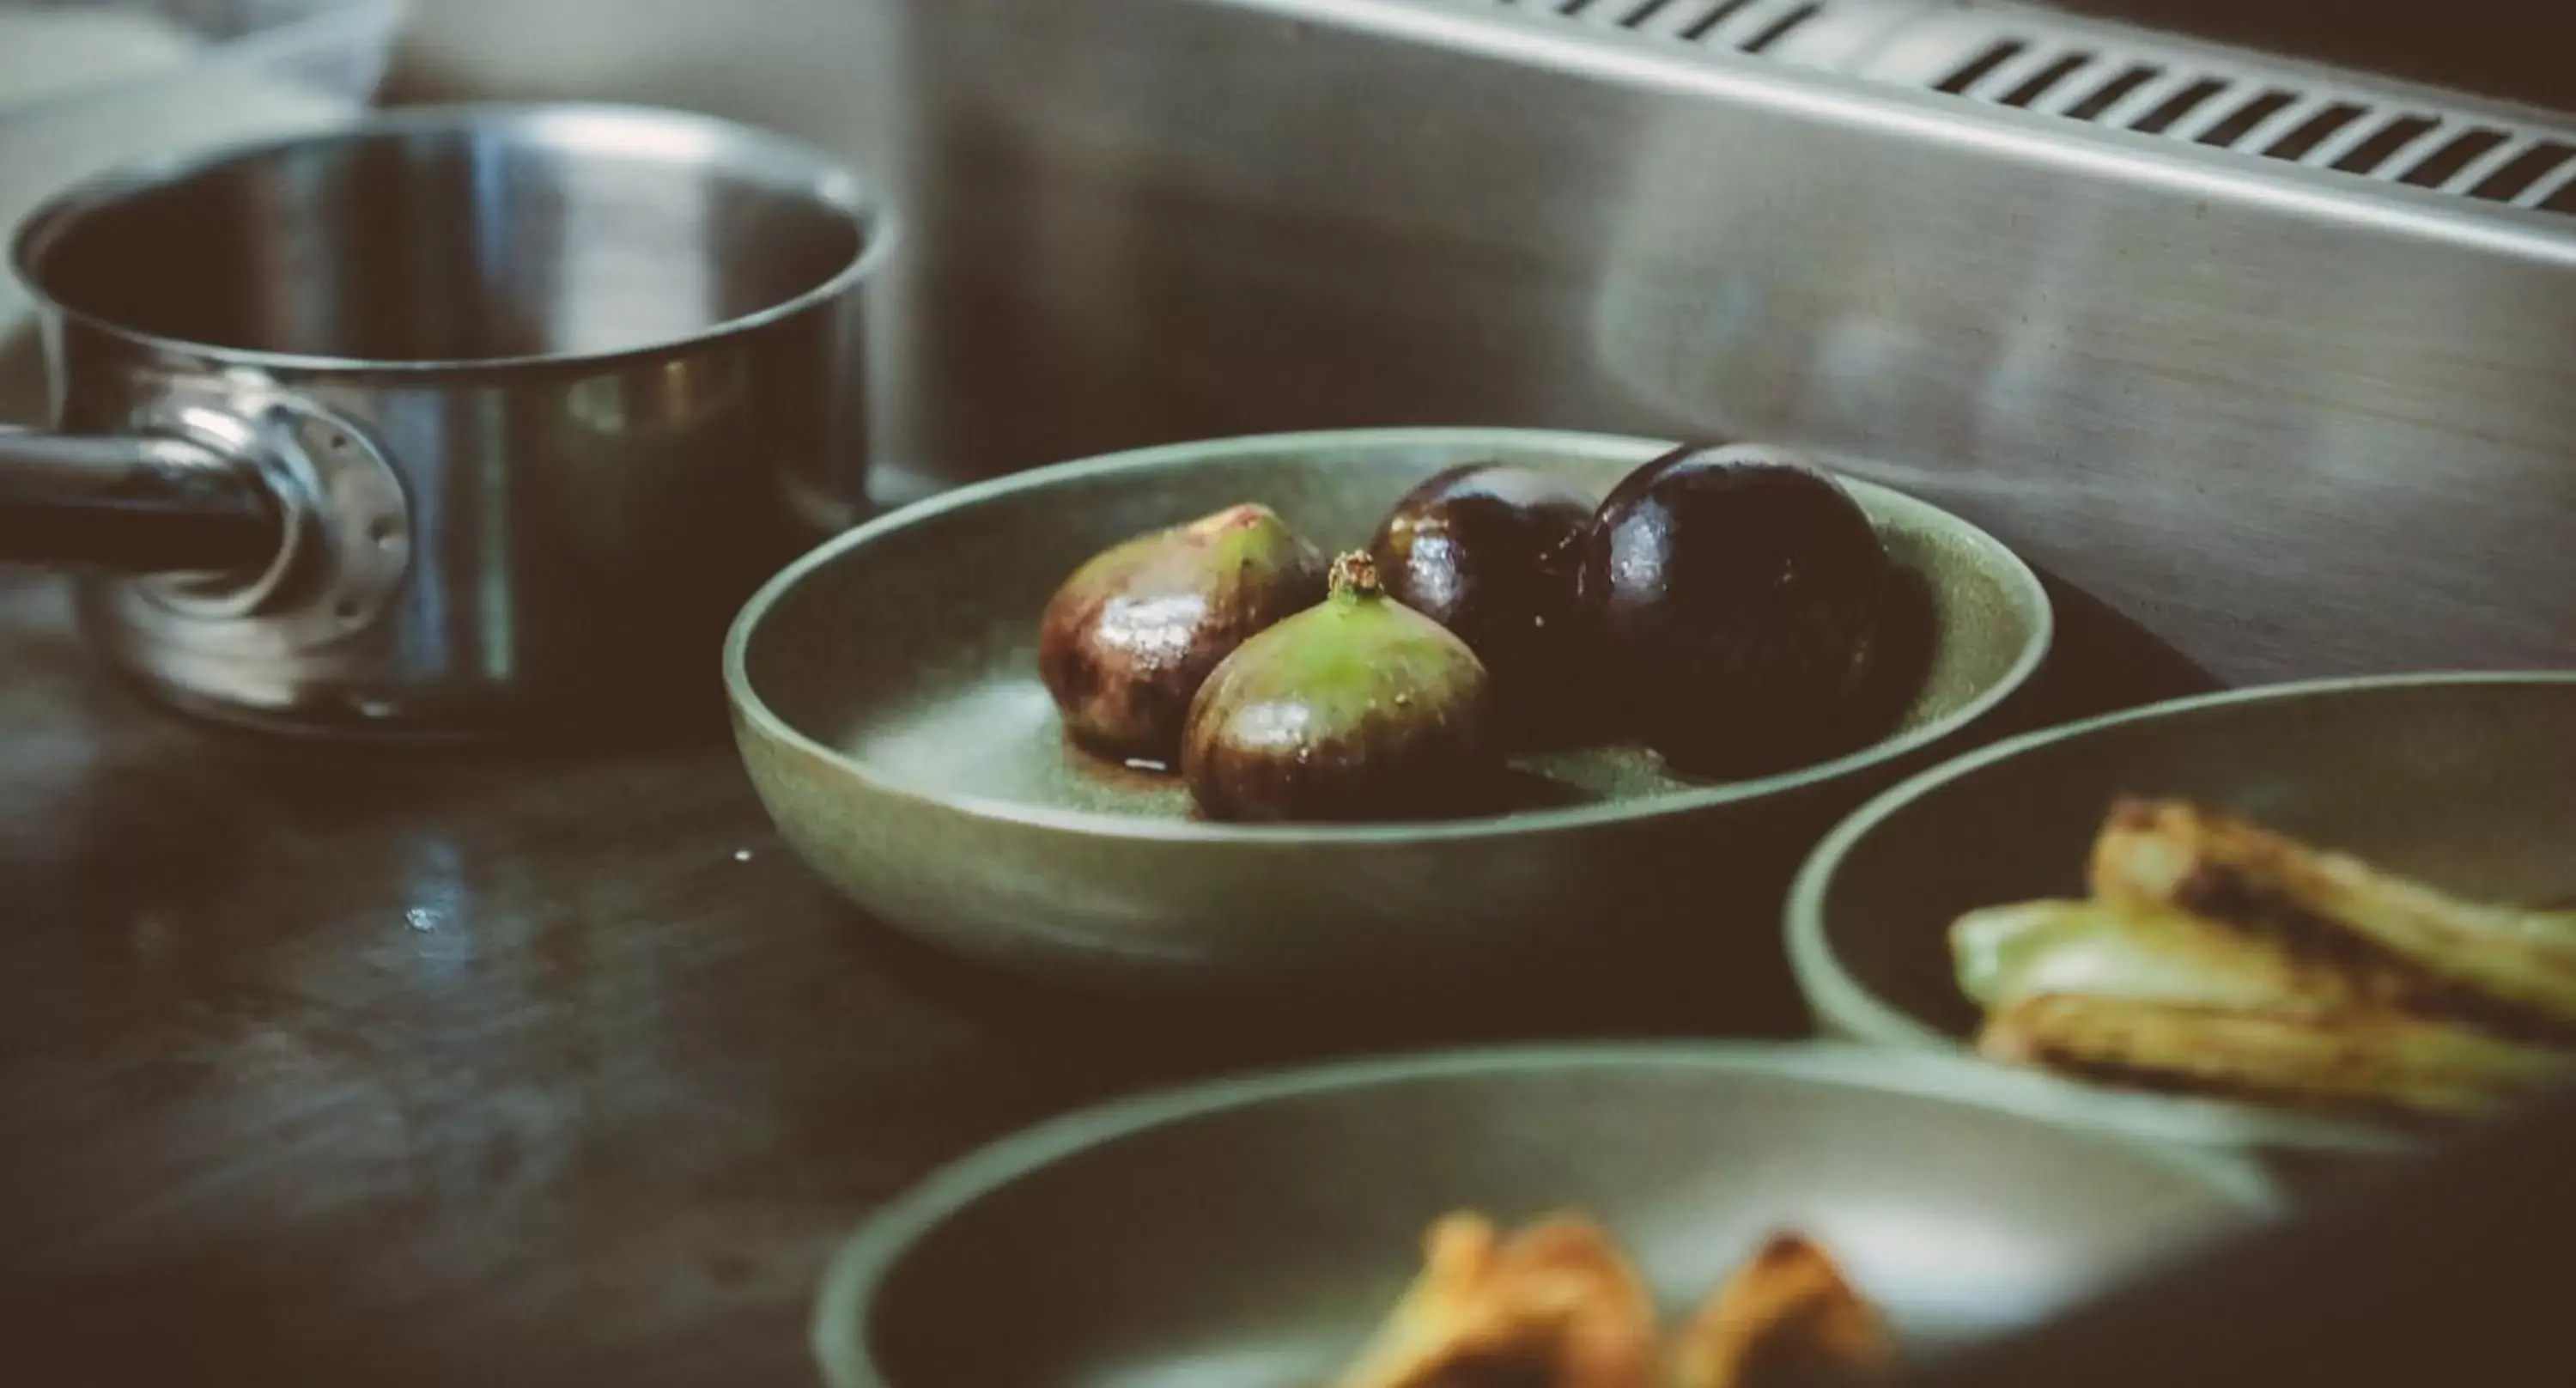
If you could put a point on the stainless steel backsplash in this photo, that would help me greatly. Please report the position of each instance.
(2295, 421)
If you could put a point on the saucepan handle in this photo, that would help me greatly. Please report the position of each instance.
(134, 504)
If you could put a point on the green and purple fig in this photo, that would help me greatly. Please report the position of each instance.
(1737, 602)
(1357, 709)
(1489, 550)
(1127, 641)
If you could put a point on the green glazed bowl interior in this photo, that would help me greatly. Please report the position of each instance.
(1249, 1233)
(2467, 781)
(907, 649)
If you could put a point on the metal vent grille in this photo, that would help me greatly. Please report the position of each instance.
(2107, 75)
(2467, 154)
(1746, 26)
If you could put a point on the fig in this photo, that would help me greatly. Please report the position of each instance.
(1735, 601)
(1359, 708)
(1489, 551)
(1129, 638)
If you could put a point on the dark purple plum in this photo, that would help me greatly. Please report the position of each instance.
(1737, 603)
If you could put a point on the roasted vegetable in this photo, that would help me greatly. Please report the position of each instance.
(1787, 1317)
(2218, 957)
(2381, 1060)
(2175, 855)
(2139, 952)
(1554, 1306)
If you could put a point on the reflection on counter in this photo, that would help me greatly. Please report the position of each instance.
(22, 374)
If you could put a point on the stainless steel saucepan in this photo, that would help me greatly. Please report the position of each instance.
(452, 420)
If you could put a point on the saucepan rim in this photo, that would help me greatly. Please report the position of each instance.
(790, 163)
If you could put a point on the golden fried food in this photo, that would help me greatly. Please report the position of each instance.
(1558, 1306)
(1553, 1306)
(1787, 1316)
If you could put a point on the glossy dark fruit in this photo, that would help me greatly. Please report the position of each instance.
(1126, 642)
(1736, 601)
(1357, 709)
(1489, 550)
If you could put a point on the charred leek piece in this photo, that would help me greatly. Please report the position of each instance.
(2006, 953)
(2171, 854)
(2375, 1061)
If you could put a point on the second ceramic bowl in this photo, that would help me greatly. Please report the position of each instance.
(887, 705)
(2467, 781)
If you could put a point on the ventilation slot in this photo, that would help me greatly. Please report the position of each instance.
(2177, 106)
(2561, 199)
(1782, 27)
(2445, 164)
(1700, 28)
(1979, 66)
(2242, 121)
(2383, 144)
(2039, 83)
(2131, 78)
(2526, 170)
(2313, 131)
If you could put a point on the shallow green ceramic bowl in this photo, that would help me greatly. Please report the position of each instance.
(2467, 781)
(1249, 1233)
(887, 705)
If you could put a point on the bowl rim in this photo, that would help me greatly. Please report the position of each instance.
(755, 712)
(859, 1267)
(1842, 1003)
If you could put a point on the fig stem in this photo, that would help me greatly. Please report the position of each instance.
(1355, 576)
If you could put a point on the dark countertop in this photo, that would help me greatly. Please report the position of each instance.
(431, 1066)
(320, 1065)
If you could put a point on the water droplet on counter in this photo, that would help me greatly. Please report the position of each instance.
(421, 918)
